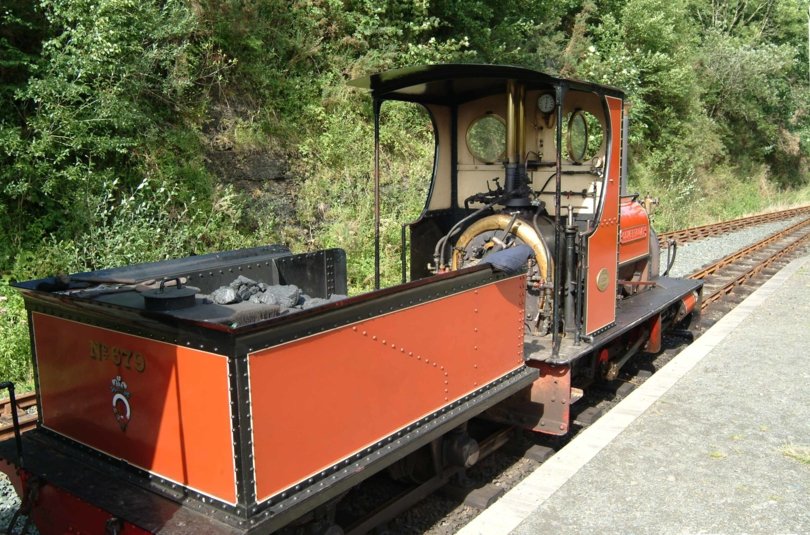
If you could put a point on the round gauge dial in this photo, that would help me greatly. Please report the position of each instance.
(545, 103)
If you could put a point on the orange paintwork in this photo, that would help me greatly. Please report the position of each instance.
(634, 237)
(180, 421)
(688, 304)
(654, 342)
(600, 306)
(321, 399)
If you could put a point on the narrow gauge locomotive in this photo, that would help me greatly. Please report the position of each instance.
(532, 272)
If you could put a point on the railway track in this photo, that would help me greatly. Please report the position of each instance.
(718, 229)
(26, 413)
(723, 276)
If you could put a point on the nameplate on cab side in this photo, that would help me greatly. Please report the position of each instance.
(633, 234)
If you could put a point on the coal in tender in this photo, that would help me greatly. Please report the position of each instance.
(287, 296)
(224, 295)
(240, 281)
(264, 298)
(313, 302)
(283, 296)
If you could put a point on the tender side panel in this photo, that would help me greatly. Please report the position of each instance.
(160, 407)
(600, 283)
(321, 399)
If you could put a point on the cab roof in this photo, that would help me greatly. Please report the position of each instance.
(461, 82)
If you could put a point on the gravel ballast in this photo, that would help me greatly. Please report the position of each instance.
(692, 256)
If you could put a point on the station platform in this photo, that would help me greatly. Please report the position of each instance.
(717, 441)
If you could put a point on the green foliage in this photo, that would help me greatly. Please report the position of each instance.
(112, 111)
(114, 75)
(336, 203)
(146, 225)
(14, 345)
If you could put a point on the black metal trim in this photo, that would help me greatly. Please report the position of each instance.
(61, 462)
(135, 475)
(242, 432)
(153, 326)
(386, 85)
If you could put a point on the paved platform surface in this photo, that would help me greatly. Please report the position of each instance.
(718, 441)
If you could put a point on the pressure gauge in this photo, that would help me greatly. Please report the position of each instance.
(545, 103)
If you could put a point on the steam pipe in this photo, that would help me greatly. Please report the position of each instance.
(438, 251)
(570, 266)
(558, 242)
(521, 123)
(511, 127)
(578, 309)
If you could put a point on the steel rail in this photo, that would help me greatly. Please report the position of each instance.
(747, 251)
(716, 229)
(28, 420)
(728, 286)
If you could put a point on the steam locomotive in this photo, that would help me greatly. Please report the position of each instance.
(165, 407)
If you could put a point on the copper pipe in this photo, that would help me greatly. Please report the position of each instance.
(511, 127)
(521, 122)
(520, 228)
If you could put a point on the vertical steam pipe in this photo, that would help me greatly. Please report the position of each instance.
(377, 106)
(511, 127)
(558, 241)
(521, 123)
(578, 287)
(570, 266)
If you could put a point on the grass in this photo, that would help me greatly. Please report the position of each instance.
(715, 197)
(797, 453)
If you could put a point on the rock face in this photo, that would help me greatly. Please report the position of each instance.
(285, 296)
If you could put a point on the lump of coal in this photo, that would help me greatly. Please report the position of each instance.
(224, 295)
(246, 291)
(337, 297)
(241, 280)
(264, 298)
(287, 295)
(313, 302)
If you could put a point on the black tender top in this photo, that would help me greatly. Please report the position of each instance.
(460, 82)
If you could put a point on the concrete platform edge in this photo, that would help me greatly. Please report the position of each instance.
(515, 506)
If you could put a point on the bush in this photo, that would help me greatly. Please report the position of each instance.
(15, 354)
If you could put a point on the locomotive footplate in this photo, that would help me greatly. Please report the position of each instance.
(630, 313)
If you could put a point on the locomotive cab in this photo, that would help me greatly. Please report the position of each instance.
(538, 165)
